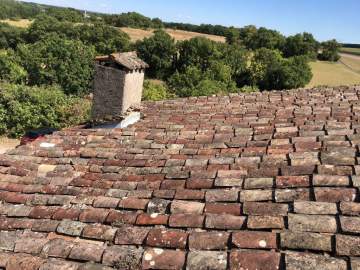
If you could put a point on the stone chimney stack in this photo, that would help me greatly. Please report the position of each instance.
(118, 85)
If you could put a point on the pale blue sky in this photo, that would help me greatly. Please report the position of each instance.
(326, 19)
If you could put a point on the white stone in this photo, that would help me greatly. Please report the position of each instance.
(262, 243)
(158, 251)
(148, 257)
(47, 145)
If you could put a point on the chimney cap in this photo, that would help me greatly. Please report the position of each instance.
(129, 60)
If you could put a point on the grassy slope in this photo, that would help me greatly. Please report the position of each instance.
(139, 34)
(355, 51)
(333, 74)
(352, 61)
(23, 23)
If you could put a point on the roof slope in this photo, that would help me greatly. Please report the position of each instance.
(251, 181)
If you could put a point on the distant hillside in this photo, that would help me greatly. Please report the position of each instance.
(16, 10)
(179, 35)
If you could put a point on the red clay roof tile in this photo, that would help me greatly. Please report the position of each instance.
(247, 181)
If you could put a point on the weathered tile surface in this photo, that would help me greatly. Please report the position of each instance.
(248, 181)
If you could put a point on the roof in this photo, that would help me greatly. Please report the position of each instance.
(129, 60)
(248, 181)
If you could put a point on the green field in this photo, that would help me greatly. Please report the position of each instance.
(355, 51)
(334, 74)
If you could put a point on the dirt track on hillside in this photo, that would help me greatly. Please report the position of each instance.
(352, 56)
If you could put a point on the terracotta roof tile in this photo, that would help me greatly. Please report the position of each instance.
(247, 181)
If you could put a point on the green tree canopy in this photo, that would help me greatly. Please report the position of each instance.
(330, 51)
(23, 108)
(198, 52)
(159, 52)
(238, 58)
(10, 9)
(65, 14)
(296, 73)
(133, 19)
(55, 60)
(194, 82)
(301, 44)
(10, 68)
(267, 38)
(104, 38)
(10, 36)
(269, 70)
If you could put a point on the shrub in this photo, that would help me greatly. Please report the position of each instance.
(10, 69)
(248, 89)
(154, 90)
(23, 108)
(55, 60)
(208, 87)
(193, 82)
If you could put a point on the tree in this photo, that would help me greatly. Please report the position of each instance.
(10, 9)
(301, 44)
(55, 60)
(183, 84)
(65, 14)
(296, 73)
(246, 34)
(44, 25)
(266, 38)
(221, 72)
(157, 23)
(10, 36)
(269, 70)
(238, 58)
(23, 108)
(159, 52)
(232, 35)
(194, 82)
(198, 52)
(104, 38)
(130, 19)
(330, 51)
(10, 69)
(263, 63)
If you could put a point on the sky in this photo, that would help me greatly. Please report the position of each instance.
(326, 19)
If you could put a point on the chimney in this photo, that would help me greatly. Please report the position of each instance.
(118, 86)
